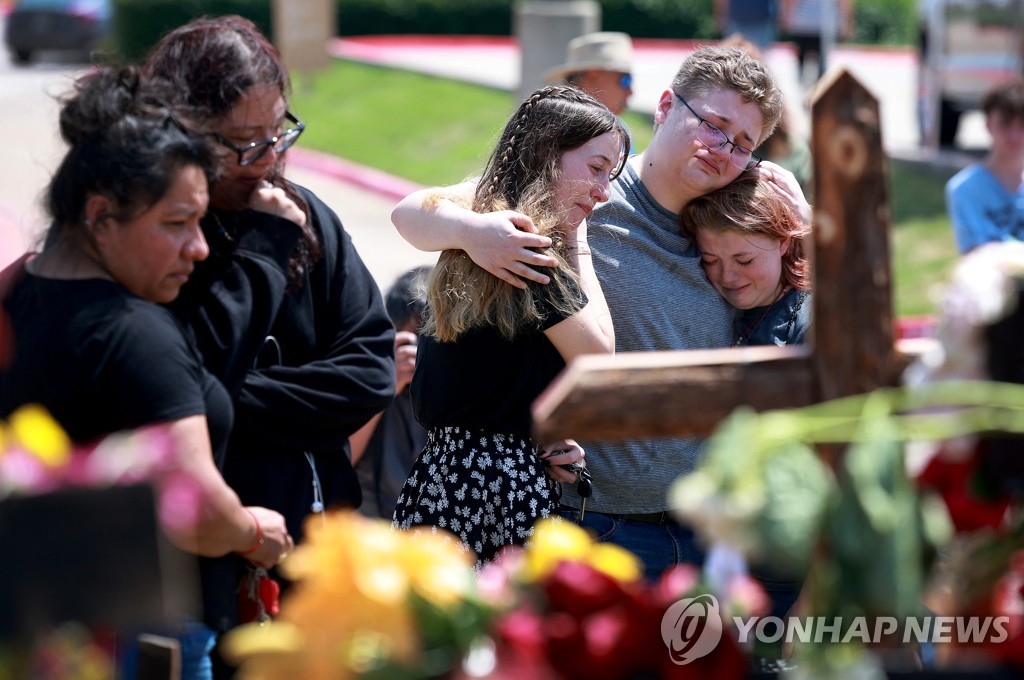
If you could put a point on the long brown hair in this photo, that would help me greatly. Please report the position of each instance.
(522, 174)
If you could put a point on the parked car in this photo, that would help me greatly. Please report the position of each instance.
(966, 47)
(36, 25)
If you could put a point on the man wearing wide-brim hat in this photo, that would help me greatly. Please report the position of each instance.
(600, 64)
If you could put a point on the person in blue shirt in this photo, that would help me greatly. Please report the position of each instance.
(986, 199)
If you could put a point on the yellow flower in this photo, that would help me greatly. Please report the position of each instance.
(616, 561)
(275, 650)
(39, 433)
(440, 572)
(349, 610)
(556, 540)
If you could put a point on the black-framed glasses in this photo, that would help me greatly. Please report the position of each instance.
(626, 81)
(253, 151)
(713, 138)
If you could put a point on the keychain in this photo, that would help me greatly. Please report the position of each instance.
(584, 487)
(258, 596)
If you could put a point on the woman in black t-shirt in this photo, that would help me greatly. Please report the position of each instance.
(488, 349)
(87, 341)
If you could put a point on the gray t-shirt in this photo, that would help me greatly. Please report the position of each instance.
(659, 299)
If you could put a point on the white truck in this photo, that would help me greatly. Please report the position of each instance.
(967, 46)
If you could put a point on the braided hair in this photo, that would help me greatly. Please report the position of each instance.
(521, 174)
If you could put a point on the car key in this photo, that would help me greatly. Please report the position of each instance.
(584, 487)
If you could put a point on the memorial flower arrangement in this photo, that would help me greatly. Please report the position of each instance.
(370, 602)
(36, 456)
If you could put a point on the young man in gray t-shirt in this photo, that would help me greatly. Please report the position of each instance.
(721, 104)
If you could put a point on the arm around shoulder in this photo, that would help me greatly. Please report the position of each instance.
(504, 243)
(432, 223)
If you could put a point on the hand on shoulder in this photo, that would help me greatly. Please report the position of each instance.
(786, 185)
(504, 244)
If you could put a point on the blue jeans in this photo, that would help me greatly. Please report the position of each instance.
(659, 546)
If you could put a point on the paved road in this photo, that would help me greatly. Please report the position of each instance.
(31, 149)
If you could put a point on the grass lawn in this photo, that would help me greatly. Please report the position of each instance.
(427, 129)
(923, 250)
(437, 131)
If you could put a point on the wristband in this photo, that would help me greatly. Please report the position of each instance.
(259, 535)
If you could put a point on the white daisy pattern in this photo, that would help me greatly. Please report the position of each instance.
(487, 488)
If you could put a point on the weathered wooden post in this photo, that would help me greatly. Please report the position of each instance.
(852, 350)
(853, 312)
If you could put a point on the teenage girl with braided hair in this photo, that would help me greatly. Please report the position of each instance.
(488, 349)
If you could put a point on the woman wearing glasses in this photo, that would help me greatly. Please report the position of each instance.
(327, 359)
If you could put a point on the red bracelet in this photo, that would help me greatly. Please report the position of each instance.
(259, 535)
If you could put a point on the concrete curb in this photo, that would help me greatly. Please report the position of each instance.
(382, 183)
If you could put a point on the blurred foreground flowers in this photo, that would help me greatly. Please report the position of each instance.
(370, 602)
(873, 539)
(36, 457)
(38, 464)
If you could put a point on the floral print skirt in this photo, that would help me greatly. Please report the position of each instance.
(486, 488)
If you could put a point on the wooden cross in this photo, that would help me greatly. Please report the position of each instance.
(851, 352)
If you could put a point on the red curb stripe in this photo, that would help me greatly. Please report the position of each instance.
(432, 40)
(389, 186)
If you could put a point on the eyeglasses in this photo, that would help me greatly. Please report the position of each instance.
(252, 152)
(713, 138)
(626, 81)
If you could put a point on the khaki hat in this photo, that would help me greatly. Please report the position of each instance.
(604, 51)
